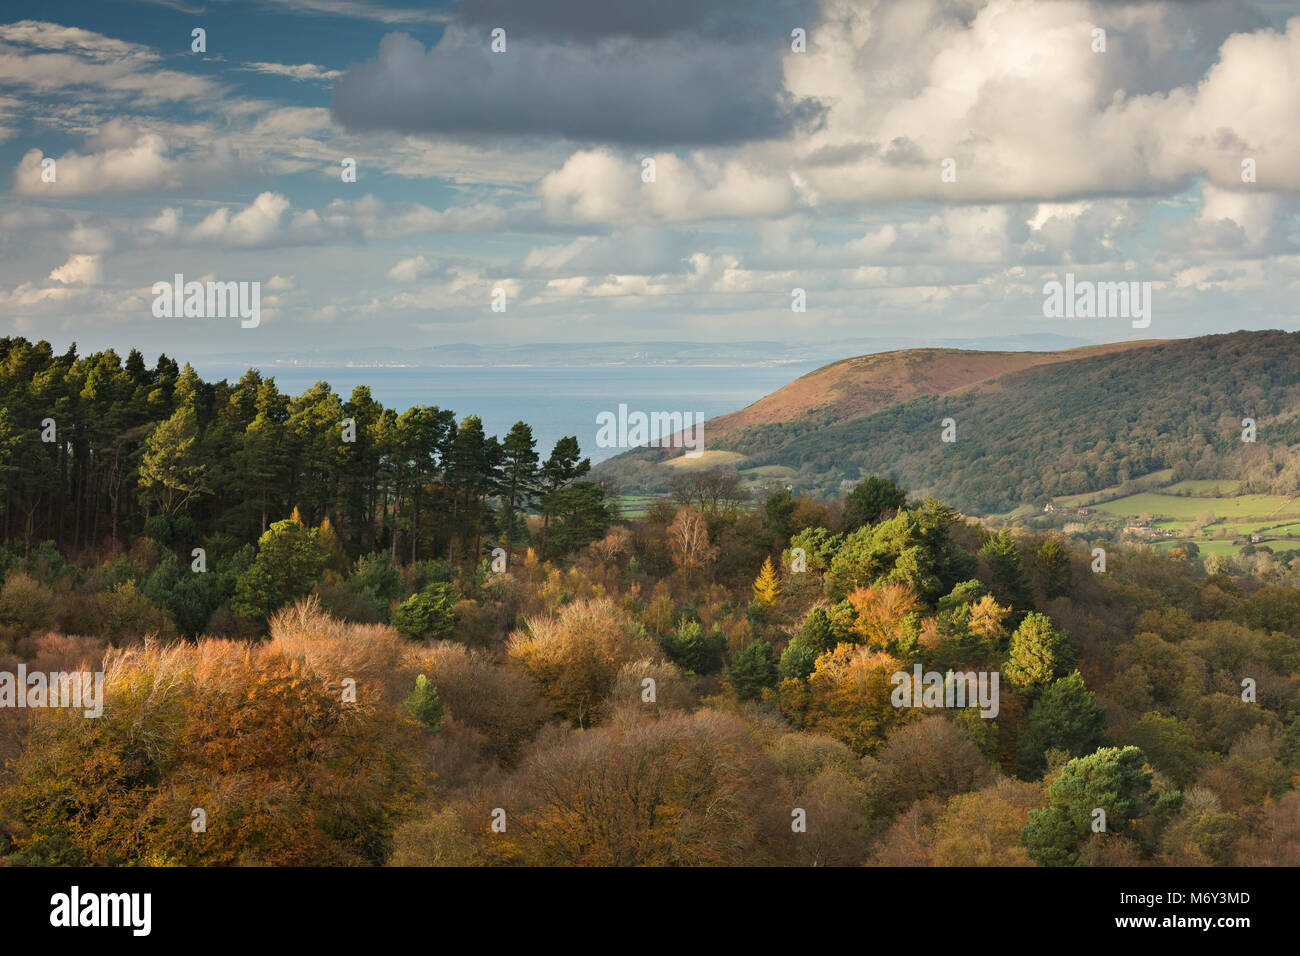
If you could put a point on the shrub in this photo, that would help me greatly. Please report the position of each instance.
(26, 605)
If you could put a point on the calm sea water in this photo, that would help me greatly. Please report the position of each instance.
(554, 401)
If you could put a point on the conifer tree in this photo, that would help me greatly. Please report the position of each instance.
(767, 587)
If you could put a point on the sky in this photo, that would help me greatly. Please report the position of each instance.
(918, 168)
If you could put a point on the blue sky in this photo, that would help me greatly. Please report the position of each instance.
(522, 170)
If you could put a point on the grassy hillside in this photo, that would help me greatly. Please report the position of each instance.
(854, 387)
(1070, 425)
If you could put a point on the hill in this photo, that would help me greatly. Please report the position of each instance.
(1028, 426)
(852, 387)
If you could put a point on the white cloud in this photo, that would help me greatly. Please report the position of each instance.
(600, 186)
(80, 270)
(51, 58)
(122, 158)
(269, 220)
(254, 225)
(1011, 90)
(294, 71)
(408, 270)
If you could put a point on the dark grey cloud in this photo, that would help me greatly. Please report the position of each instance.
(904, 152)
(682, 91)
(589, 19)
(1156, 56)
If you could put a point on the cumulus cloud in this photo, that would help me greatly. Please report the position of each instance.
(1018, 98)
(1010, 93)
(1235, 222)
(80, 270)
(408, 270)
(772, 169)
(270, 221)
(121, 158)
(602, 186)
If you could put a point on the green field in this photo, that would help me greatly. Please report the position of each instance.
(1176, 508)
(1260, 507)
(1275, 518)
(1203, 486)
(770, 471)
(1225, 548)
(634, 506)
(1153, 480)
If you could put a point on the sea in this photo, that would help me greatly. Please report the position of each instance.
(555, 401)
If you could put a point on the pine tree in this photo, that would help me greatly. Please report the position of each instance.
(872, 500)
(1052, 563)
(753, 669)
(172, 471)
(518, 478)
(1005, 574)
(1066, 717)
(424, 704)
(1111, 779)
(564, 467)
(1038, 655)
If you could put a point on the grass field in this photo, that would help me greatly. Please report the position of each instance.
(1176, 508)
(1153, 480)
(769, 471)
(634, 506)
(1259, 507)
(706, 460)
(1225, 548)
(1203, 486)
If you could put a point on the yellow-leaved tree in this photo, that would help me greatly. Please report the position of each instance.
(767, 587)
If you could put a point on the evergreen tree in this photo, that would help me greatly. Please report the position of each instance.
(518, 478)
(424, 704)
(1005, 575)
(753, 669)
(562, 469)
(816, 636)
(171, 471)
(288, 565)
(427, 615)
(578, 516)
(1066, 717)
(778, 510)
(1038, 655)
(1052, 566)
(871, 500)
(1111, 780)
